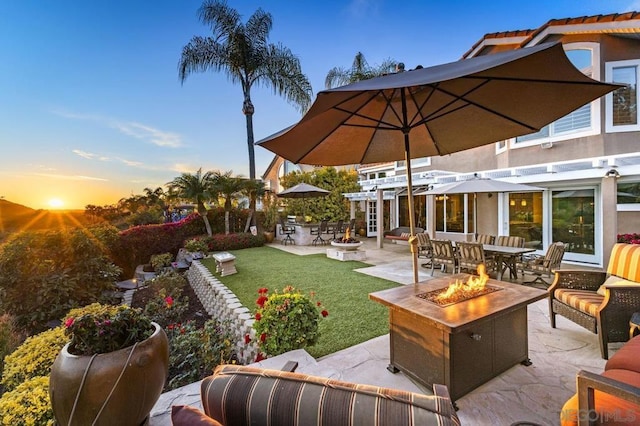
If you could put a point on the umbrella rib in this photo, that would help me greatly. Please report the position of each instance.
(529, 80)
(435, 115)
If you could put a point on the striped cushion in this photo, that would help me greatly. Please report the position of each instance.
(510, 241)
(582, 300)
(625, 261)
(239, 395)
(405, 234)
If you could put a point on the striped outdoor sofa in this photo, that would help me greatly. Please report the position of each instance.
(602, 302)
(240, 395)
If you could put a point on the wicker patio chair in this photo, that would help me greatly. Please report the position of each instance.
(470, 255)
(511, 262)
(443, 255)
(590, 300)
(543, 265)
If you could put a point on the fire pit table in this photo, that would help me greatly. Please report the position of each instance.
(463, 344)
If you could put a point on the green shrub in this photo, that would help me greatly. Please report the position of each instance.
(33, 358)
(196, 245)
(194, 353)
(172, 283)
(10, 338)
(136, 245)
(27, 404)
(145, 217)
(46, 273)
(161, 261)
(222, 242)
(166, 309)
(286, 321)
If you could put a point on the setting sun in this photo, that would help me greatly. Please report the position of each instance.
(56, 203)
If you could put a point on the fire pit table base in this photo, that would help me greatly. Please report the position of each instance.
(346, 255)
(461, 346)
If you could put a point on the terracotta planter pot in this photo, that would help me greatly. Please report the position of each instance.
(269, 237)
(144, 372)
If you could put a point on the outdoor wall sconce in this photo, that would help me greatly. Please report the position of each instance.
(523, 203)
(612, 173)
(512, 202)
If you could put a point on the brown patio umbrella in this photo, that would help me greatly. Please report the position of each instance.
(437, 110)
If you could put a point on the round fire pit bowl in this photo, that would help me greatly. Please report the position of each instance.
(347, 246)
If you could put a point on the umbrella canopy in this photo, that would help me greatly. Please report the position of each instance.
(303, 190)
(479, 185)
(437, 110)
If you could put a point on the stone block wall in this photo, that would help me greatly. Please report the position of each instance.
(223, 305)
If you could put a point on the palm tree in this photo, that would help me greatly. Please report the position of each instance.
(243, 53)
(228, 187)
(155, 197)
(360, 70)
(198, 188)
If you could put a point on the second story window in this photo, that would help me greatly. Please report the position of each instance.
(622, 104)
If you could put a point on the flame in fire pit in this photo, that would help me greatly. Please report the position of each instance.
(347, 238)
(473, 285)
(461, 291)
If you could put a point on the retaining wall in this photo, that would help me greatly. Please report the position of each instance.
(223, 305)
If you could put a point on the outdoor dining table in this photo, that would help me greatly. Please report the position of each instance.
(503, 254)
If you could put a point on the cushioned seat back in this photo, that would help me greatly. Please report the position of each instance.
(510, 241)
(423, 240)
(443, 251)
(625, 261)
(485, 239)
(239, 395)
(470, 255)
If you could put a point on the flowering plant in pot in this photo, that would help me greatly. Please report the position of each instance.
(113, 369)
(197, 247)
(287, 320)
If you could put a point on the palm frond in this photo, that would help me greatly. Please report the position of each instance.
(220, 17)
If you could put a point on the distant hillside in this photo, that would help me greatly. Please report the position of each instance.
(15, 217)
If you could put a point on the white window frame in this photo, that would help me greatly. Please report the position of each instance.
(595, 127)
(609, 127)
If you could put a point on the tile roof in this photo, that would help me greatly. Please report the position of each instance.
(523, 37)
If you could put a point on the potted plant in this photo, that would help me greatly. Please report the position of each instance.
(113, 369)
(287, 321)
(270, 210)
(160, 262)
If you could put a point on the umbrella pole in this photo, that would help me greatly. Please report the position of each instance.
(412, 240)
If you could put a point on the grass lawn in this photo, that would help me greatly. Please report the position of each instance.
(353, 318)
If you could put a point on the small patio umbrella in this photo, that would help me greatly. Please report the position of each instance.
(437, 110)
(476, 186)
(303, 190)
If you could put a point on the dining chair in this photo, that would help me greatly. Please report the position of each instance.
(319, 231)
(336, 228)
(425, 249)
(510, 262)
(470, 255)
(485, 239)
(286, 230)
(543, 265)
(443, 255)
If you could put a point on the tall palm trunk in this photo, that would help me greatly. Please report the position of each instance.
(227, 214)
(248, 110)
(202, 211)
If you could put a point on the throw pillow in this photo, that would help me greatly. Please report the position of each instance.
(405, 234)
(184, 415)
(614, 281)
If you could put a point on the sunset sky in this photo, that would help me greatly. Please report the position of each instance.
(92, 110)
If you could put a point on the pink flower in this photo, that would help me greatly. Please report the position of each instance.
(258, 316)
(259, 357)
(263, 337)
(69, 322)
(247, 338)
(324, 313)
(263, 290)
(169, 301)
